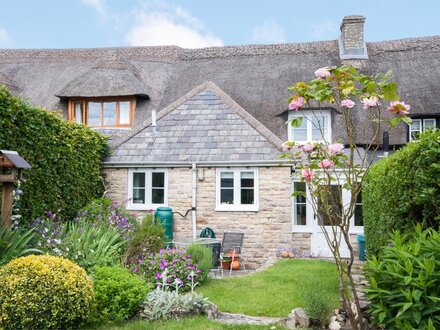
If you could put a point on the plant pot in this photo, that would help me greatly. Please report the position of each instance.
(235, 265)
(226, 265)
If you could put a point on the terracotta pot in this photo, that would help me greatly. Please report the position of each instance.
(235, 265)
(226, 265)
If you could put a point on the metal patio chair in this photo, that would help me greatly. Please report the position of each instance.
(232, 247)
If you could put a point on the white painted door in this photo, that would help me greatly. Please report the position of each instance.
(320, 222)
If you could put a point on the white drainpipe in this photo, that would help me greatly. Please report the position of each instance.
(194, 203)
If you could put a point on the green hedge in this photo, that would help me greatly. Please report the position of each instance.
(401, 190)
(66, 158)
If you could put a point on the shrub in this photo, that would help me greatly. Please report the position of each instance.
(146, 237)
(405, 281)
(43, 292)
(13, 244)
(407, 184)
(86, 244)
(164, 303)
(104, 211)
(179, 267)
(67, 172)
(319, 304)
(202, 257)
(118, 294)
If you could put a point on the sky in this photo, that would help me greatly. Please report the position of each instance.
(204, 23)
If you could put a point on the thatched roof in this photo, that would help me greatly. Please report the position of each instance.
(9, 83)
(111, 76)
(254, 76)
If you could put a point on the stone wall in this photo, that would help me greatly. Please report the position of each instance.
(265, 230)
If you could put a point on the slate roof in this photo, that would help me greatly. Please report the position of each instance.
(204, 125)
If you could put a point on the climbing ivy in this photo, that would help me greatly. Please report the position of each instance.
(66, 158)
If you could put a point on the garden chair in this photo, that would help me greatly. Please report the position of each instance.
(231, 249)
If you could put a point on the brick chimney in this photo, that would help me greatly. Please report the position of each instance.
(351, 43)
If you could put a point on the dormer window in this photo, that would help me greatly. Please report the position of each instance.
(103, 112)
(420, 125)
(315, 126)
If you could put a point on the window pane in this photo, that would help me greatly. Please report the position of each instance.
(300, 204)
(428, 124)
(247, 196)
(334, 201)
(299, 134)
(109, 113)
(124, 113)
(94, 116)
(79, 112)
(138, 196)
(157, 196)
(158, 179)
(416, 125)
(247, 179)
(139, 180)
(319, 130)
(227, 179)
(358, 215)
(226, 196)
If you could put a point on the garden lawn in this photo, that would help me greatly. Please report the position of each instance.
(193, 323)
(274, 291)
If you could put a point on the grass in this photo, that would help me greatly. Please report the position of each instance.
(194, 323)
(273, 292)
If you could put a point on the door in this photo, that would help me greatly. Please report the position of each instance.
(337, 197)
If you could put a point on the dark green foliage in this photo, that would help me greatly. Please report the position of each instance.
(118, 294)
(202, 257)
(66, 158)
(13, 244)
(401, 190)
(405, 281)
(146, 237)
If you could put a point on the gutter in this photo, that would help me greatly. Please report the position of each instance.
(233, 163)
(194, 200)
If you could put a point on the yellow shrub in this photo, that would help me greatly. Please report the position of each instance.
(43, 292)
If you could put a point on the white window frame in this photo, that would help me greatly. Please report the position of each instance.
(148, 205)
(307, 116)
(422, 122)
(237, 206)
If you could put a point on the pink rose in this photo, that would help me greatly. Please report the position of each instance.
(370, 102)
(347, 103)
(326, 163)
(399, 108)
(308, 148)
(286, 146)
(322, 73)
(296, 103)
(307, 175)
(335, 149)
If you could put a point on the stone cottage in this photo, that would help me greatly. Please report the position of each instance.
(200, 130)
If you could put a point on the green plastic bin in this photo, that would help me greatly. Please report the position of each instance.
(361, 247)
(165, 216)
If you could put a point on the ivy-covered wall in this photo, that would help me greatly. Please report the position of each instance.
(66, 158)
(401, 190)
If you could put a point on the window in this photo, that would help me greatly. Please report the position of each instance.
(315, 126)
(420, 125)
(300, 204)
(358, 215)
(237, 190)
(330, 202)
(147, 189)
(108, 112)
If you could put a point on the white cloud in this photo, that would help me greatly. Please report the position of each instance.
(324, 30)
(161, 24)
(269, 32)
(98, 5)
(4, 37)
